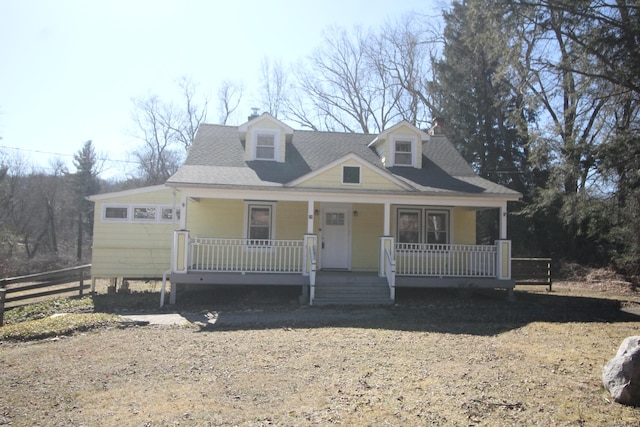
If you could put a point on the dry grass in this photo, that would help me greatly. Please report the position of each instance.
(438, 359)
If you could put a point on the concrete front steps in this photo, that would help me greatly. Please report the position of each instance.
(349, 288)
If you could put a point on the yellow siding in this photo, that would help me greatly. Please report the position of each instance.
(225, 219)
(216, 218)
(132, 249)
(291, 220)
(463, 225)
(130, 263)
(367, 228)
(332, 178)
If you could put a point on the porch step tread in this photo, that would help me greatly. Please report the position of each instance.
(352, 301)
(352, 290)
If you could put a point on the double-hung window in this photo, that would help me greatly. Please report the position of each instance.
(403, 153)
(416, 225)
(259, 225)
(409, 225)
(265, 145)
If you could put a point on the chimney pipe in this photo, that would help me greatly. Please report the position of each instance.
(254, 114)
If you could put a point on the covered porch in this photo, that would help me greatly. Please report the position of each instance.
(368, 246)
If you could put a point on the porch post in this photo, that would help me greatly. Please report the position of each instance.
(503, 221)
(183, 211)
(387, 219)
(503, 259)
(180, 251)
(310, 211)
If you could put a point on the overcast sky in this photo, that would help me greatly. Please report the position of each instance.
(69, 69)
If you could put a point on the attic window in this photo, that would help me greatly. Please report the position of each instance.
(265, 146)
(403, 154)
(351, 174)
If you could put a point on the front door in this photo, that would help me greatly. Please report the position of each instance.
(336, 238)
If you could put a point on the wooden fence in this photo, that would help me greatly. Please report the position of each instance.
(24, 288)
(531, 271)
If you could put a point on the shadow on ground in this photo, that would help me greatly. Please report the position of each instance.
(476, 312)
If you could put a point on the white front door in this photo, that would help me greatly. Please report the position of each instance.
(336, 238)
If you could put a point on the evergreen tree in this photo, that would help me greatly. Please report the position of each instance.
(85, 182)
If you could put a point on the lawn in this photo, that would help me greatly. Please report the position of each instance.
(438, 358)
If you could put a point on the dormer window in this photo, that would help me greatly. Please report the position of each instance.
(403, 154)
(404, 149)
(265, 143)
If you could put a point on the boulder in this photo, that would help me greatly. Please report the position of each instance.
(621, 375)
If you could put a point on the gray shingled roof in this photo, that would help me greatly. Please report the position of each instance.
(216, 157)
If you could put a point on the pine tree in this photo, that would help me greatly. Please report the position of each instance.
(85, 182)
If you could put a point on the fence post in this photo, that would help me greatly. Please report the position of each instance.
(81, 283)
(2, 299)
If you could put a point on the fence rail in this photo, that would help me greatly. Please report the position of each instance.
(531, 271)
(19, 289)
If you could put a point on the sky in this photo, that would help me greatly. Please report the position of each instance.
(70, 68)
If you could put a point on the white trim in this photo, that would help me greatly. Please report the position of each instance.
(383, 135)
(272, 219)
(265, 116)
(130, 207)
(359, 175)
(424, 211)
(275, 133)
(413, 140)
(350, 157)
(337, 195)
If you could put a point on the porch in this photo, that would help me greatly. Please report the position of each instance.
(222, 261)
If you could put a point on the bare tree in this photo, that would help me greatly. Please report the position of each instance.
(192, 113)
(229, 98)
(273, 87)
(343, 87)
(166, 130)
(405, 51)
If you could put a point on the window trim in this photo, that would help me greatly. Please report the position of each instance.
(423, 223)
(117, 206)
(248, 205)
(276, 143)
(419, 211)
(447, 215)
(413, 140)
(130, 207)
(146, 219)
(358, 167)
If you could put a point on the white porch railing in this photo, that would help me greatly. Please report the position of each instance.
(245, 255)
(424, 259)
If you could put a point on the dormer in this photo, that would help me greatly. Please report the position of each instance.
(400, 145)
(265, 138)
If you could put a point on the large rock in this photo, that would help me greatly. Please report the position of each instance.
(621, 376)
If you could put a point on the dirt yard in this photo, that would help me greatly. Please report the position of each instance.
(437, 358)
